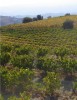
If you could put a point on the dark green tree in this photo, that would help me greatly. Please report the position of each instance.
(68, 24)
(27, 19)
(39, 17)
(67, 14)
(34, 19)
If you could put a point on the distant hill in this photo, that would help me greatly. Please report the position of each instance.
(6, 20)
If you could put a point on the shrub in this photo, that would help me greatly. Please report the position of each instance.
(40, 63)
(48, 64)
(16, 46)
(69, 65)
(61, 52)
(27, 19)
(19, 98)
(41, 52)
(24, 61)
(22, 96)
(13, 98)
(14, 79)
(68, 24)
(67, 14)
(34, 19)
(51, 82)
(23, 50)
(4, 58)
(51, 65)
(39, 17)
(5, 48)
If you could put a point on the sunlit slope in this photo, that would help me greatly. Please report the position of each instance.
(47, 33)
(46, 23)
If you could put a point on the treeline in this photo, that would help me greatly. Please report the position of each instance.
(29, 19)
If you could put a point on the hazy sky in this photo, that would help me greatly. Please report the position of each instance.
(31, 7)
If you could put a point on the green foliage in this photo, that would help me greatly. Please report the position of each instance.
(43, 36)
(61, 52)
(24, 61)
(67, 14)
(5, 48)
(13, 79)
(39, 17)
(4, 58)
(23, 96)
(16, 46)
(1, 97)
(68, 24)
(42, 52)
(34, 19)
(51, 82)
(27, 19)
(13, 98)
(23, 50)
(51, 65)
(47, 64)
(75, 85)
(69, 65)
(40, 63)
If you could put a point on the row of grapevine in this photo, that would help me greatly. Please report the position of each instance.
(15, 80)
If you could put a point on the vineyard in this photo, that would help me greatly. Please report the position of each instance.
(39, 60)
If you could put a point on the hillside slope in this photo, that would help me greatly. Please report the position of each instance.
(39, 58)
(45, 23)
(48, 32)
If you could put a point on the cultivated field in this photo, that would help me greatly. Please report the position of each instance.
(39, 60)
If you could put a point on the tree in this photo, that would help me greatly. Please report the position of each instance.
(39, 17)
(68, 24)
(27, 19)
(67, 14)
(34, 19)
